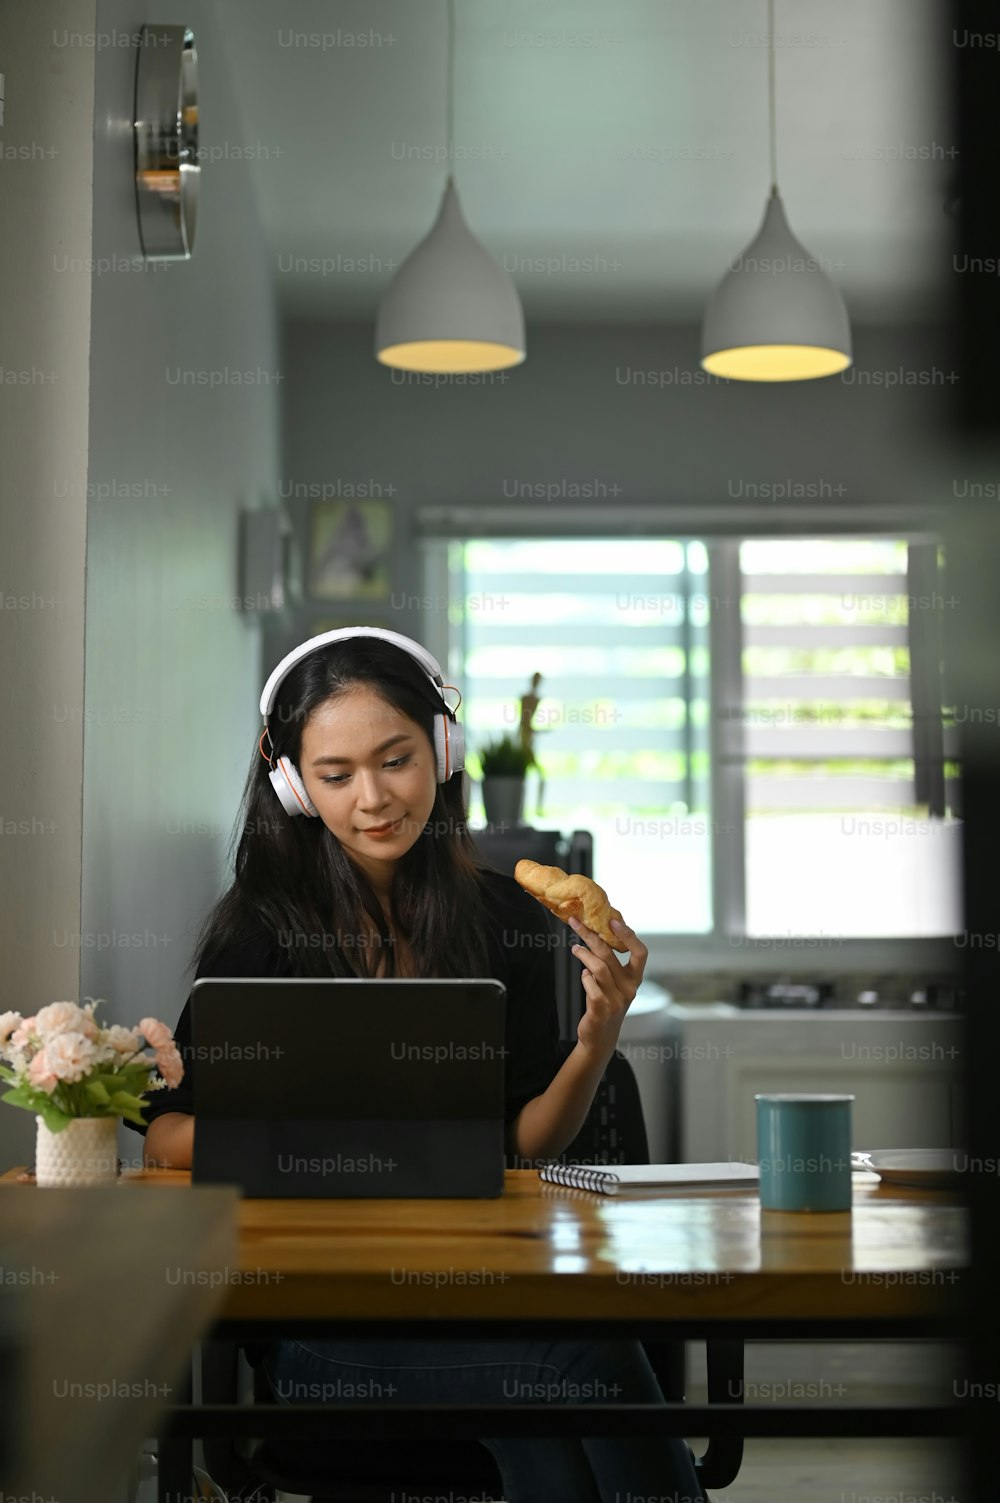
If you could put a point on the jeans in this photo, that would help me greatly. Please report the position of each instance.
(559, 1469)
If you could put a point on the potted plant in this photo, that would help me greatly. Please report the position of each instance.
(504, 763)
(79, 1078)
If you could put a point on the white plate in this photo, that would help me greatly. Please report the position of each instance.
(928, 1168)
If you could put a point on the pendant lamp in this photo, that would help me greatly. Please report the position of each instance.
(450, 307)
(776, 315)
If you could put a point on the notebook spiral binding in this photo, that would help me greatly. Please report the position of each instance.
(577, 1175)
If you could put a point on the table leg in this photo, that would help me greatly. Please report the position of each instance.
(175, 1456)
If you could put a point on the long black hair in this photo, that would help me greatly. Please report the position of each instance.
(293, 878)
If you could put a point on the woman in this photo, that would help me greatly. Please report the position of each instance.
(380, 877)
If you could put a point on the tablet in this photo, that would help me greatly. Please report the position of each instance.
(348, 1087)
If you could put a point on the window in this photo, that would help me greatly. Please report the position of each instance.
(843, 740)
(618, 630)
(752, 730)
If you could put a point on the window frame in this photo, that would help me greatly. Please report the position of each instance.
(727, 946)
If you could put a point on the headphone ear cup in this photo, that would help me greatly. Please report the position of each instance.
(449, 744)
(457, 735)
(289, 787)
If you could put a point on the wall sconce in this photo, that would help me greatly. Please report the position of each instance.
(167, 170)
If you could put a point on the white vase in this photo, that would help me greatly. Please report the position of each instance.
(84, 1153)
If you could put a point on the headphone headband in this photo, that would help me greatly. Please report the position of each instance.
(428, 663)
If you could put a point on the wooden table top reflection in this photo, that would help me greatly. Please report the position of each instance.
(548, 1251)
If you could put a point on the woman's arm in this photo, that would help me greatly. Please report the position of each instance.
(170, 1141)
(548, 1123)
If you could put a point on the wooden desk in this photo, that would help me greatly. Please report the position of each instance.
(543, 1251)
(103, 1306)
(546, 1261)
(546, 1252)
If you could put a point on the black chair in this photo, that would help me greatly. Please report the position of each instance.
(362, 1472)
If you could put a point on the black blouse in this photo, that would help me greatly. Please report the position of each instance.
(521, 956)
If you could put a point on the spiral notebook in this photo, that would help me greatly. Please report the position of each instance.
(659, 1179)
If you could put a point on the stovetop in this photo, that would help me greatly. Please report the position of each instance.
(934, 997)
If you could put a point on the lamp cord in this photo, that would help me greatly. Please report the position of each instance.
(770, 97)
(450, 90)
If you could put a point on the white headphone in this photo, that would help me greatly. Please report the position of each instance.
(449, 736)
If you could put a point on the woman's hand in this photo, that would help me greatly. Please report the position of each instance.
(609, 985)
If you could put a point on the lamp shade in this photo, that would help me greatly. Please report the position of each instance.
(450, 307)
(776, 315)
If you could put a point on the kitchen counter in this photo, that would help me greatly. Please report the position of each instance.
(699, 1066)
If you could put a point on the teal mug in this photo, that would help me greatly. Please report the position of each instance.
(804, 1152)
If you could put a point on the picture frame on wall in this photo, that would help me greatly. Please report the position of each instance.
(350, 551)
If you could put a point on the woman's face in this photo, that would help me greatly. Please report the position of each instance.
(357, 782)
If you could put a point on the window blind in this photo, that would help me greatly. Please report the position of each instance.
(831, 676)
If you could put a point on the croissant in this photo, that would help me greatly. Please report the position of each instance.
(571, 897)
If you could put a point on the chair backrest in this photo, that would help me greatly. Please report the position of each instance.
(615, 1129)
(575, 854)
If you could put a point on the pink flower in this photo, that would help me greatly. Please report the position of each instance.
(121, 1040)
(40, 1075)
(63, 1017)
(156, 1034)
(168, 1062)
(21, 1037)
(70, 1056)
(8, 1022)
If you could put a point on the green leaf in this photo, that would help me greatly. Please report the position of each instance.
(125, 1100)
(19, 1097)
(54, 1119)
(504, 758)
(115, 1080)
(97, 1091)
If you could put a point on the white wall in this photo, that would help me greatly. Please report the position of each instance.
(173, 670)
(44, 338)
(577, 409)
